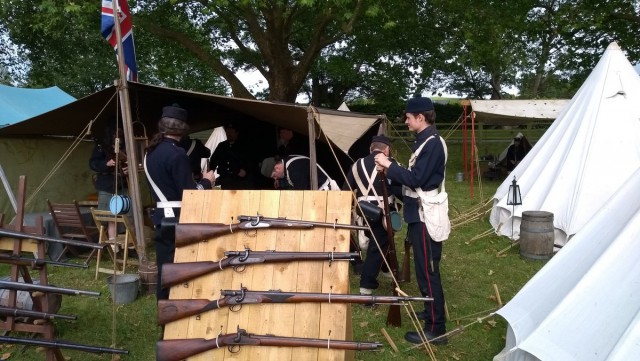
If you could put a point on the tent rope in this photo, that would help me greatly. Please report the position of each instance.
(76, 142)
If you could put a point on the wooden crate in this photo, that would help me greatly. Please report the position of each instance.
(309, 320)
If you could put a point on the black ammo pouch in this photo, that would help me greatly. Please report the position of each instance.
(168, 228)
(368, 210)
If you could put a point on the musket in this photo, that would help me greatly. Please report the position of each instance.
(20, 235)
(35, 262)
(188, 233)
(60, 344)
(18, 312)
(175, 273)
(22, 286)
(393, 315)
(175, 350)
(172, 310)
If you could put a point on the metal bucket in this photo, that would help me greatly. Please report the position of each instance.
(123, 288)
(459, 177)
(536, 235)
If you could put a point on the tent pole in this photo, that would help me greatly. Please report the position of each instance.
(313, 160)
(125, 108)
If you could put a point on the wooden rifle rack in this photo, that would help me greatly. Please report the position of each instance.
(306, 320)
(40, 303)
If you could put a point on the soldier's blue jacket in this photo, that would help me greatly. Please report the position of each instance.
(427, 173)
(169, 167)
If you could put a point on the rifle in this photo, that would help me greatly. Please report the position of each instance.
(188, 233)
(406, 261)
(60, 344)
(22, 286)
(393, 316)
(175, 273)
(172, 310)
(20, 235)
(17, 312)
(175, 350)
(35, 262)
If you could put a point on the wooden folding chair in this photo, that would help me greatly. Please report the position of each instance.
(69, 224)
(123, 242)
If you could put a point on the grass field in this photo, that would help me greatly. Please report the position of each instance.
(471, 271)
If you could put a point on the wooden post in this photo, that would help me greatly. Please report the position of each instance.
(125, 108)
(313, 159)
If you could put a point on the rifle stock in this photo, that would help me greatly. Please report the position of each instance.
(172, 310)
(189, 233)
(176, 273)
(393, 316)
(175, 350)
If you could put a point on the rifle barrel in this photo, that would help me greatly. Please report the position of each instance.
(20, 235)
(282, 221)
(61, 344)
(21, 286)
(33, 262)
(17, 312)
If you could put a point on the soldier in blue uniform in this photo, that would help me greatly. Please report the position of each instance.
(426, 173)
(364, 178)
(231, 158)
(292, 172)
(168, 172)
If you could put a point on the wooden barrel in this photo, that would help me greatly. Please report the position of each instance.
(148, 272)
(536, 235)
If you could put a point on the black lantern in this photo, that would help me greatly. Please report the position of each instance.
(514, 199)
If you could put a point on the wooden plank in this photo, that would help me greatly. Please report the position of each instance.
(221, 209)
(193, 205)
(335, 276)
(307, 315)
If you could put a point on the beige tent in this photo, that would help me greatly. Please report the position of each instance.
(516, 112)
(36, 144)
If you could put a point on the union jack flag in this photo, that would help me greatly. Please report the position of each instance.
(109, 33)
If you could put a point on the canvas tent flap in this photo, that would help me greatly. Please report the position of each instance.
(583, 305)
(514, 112)
(18, 104)
(589, 152)
(206, 111)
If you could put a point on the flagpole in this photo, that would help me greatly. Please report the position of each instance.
(125, 107)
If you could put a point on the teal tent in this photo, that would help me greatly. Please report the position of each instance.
(18, 104)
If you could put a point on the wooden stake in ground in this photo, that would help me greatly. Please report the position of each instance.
(391, 343)
(495, 289)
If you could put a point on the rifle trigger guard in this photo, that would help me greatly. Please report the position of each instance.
(235, 308)
(256, 221)
(233, 348)
(239, 268)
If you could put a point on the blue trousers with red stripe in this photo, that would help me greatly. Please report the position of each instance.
(426, 259)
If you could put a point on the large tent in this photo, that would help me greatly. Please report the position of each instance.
(39, 142)
(584, 304)
(587, 154)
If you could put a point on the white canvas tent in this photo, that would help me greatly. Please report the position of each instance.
(586, 155)
(584, 304)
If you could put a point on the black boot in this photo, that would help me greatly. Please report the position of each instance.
(414, 337)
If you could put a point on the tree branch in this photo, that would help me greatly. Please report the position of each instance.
(237, 88)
